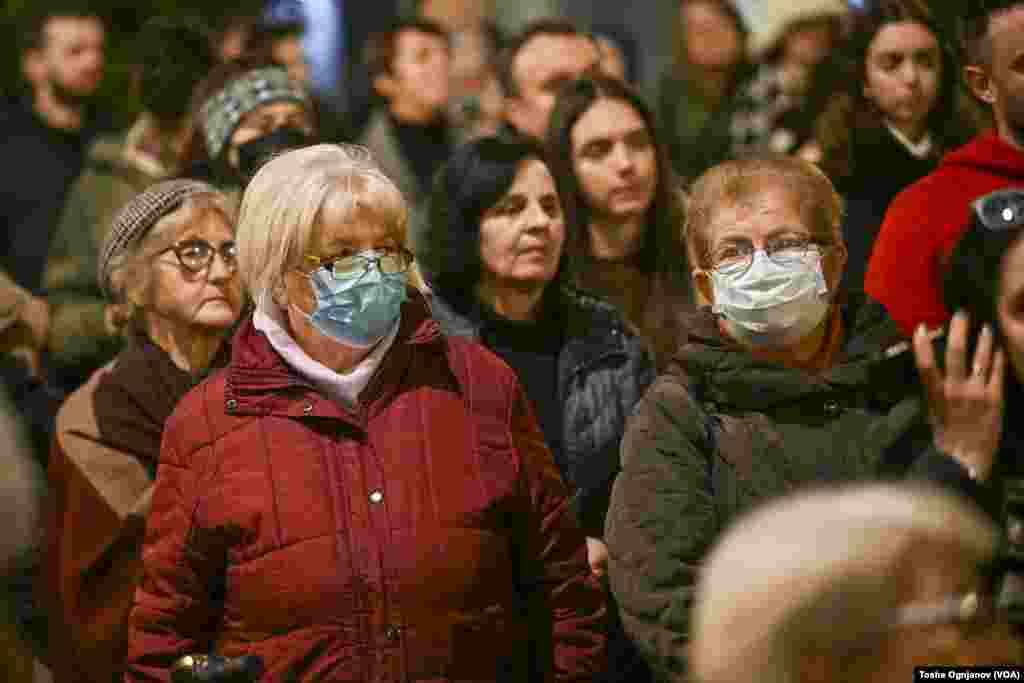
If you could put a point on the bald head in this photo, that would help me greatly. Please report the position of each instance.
(824, 577)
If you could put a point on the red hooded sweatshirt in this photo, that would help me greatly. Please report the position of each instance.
(924, 222)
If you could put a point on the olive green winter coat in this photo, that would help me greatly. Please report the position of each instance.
(115, 171)
(721, 432)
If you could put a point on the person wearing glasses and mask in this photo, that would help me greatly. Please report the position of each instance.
(244, 112)
(170, 261)
(779, 384)
(357, 496)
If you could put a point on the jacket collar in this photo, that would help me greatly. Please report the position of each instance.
(259, 382)
(593, 327)
(872, 360)
(988, 151)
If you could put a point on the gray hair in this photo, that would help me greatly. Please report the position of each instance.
(283, 203)
(822, 571)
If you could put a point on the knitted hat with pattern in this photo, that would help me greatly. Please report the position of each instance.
(137, 217)
(221, 114)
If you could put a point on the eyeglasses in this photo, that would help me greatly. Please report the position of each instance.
(974, 612)
(388, 262)
(196, 255)
(735, 258)
(1000, 210)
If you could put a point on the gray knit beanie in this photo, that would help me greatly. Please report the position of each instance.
(136, 218)
(221, 114)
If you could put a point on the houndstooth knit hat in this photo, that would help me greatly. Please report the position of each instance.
(136, 218)
(221, 114)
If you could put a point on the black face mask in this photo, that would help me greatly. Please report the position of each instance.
(254, 153)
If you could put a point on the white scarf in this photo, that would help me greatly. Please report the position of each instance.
(342, 387)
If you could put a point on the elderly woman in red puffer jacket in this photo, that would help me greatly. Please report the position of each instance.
(357, 497)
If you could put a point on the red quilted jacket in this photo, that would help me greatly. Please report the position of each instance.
(424, 538)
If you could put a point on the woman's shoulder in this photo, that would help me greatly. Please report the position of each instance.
(592, 312)
(77, 413)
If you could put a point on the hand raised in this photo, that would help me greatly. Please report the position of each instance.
(965, 400)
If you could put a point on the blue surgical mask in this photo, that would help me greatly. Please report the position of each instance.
(357, 310)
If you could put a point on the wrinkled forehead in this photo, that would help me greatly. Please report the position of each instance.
(754, 207)
(547, 55)
(355, 219)
(60, 31)
(411, 40)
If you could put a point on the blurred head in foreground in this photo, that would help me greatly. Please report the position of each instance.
(858, 583)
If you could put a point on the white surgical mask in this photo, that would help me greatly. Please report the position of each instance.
(771, 304)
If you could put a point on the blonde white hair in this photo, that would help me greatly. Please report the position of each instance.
(284, 201)
(822, 571)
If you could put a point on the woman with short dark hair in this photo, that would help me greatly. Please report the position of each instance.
(498, 221)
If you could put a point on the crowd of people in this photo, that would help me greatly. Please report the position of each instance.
(530, 374)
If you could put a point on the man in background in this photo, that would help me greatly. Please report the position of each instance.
(537, 62)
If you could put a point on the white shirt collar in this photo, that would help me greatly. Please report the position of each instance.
(918, 150)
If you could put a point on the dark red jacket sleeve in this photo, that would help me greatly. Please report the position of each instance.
(174, 613)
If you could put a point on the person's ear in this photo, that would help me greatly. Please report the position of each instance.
(516, 113)
(32, 66)
(703, 287)
(835, 265)
(980, 83)
(384, 85)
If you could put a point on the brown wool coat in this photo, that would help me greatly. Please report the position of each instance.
(101, 470)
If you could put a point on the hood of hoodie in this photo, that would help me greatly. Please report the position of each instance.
(986, 152)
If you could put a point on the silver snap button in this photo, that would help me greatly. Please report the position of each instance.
(308, 408)
(231, 404)
(376, 497)
(831, 408)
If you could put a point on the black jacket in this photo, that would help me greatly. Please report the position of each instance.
(882, 167)
(42, 164)
(603, 370)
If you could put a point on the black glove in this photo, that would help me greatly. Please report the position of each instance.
(216, 669)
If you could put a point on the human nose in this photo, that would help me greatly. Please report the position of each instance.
(220, 268)
(622, 158)
(909, 73)
(536, 217)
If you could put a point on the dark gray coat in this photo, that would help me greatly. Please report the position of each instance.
(603, 370)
